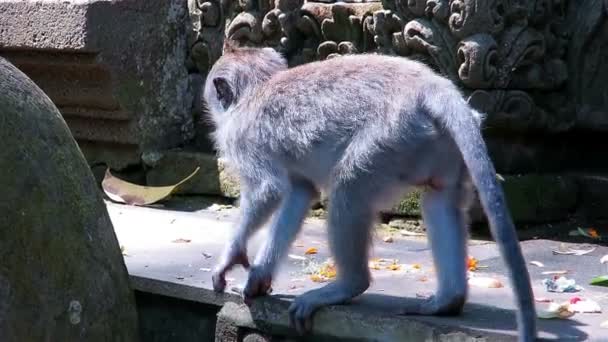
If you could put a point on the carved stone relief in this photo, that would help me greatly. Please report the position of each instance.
(508, 56)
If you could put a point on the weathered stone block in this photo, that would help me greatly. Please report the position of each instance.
(62, 276)
(537, 198)
(115, 69)
(213, 178)
(593, 199)
(531, 198)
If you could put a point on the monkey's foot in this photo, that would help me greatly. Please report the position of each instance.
(432, 306)
(234, 257)
(258, 283)
(305, 305)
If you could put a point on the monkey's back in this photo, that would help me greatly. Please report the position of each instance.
(346, 104)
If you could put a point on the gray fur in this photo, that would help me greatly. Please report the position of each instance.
(364, 128)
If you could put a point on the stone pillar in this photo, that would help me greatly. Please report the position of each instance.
(115, 69)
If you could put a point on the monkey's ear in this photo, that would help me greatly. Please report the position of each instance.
(229, 46)
(224, 92)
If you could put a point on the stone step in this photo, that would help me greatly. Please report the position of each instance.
(159, 264)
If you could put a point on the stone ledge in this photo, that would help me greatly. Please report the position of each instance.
(160, 266)
(112, 83)
(341, 323)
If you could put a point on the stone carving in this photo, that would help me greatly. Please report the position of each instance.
(508, 55)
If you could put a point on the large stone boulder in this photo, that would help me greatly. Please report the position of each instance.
(62, 275)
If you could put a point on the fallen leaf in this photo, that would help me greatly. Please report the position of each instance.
(472, 263)
(589, 232)
(593, 233)
(122, 191)
(207, 255)
(388, 239)
(180, 240)
(604, 259)
(296, 257)
(555, 310)
(393, 267)
(562, 249)
(423, 279)
(325, 273)
(561, 272)
(543, 300)
(374, 265)
(599, 281)
(311, 250)
(408, 233)
(485, 282)
(218, 207)
(179, 277)
(537, 263)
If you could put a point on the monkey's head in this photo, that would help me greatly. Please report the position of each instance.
(236, 75)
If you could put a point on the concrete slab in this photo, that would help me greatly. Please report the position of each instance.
(159, 265)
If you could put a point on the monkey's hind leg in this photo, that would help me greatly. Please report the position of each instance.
(349, 228)
(446, 229)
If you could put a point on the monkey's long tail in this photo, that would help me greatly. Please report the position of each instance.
(456, 115)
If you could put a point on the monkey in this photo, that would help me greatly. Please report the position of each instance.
(365, 129)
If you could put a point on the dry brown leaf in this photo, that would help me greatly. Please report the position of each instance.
(325, 273)
(124, 192)
(180, 240)
(423, 279)
(472, 264)
(374, 265)
(311, 250)
(393, 267)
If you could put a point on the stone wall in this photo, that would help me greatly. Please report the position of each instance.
(127, 76)
(532, 66)
(116, 70)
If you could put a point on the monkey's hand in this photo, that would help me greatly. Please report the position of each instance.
(258, 283)
(234, 256)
